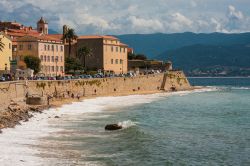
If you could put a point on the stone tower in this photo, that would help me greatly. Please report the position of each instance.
(42, 26)
(65, 30)
(168, 66)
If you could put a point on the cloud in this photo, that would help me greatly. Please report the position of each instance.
(234, 14)
(132, 16)
(236, 21)
(193, 3)
(218, 25)
(141, 25)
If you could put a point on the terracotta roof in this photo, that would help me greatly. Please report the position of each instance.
(27, 30)
(122, 44)
(41, 37)
(56, 36)
(97, 37)
(47, 37)
(21, 32)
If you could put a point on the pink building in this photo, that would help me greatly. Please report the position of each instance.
(49, 50)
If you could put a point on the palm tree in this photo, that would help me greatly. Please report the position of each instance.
(83, 52)
(1, 45)
(69, 36)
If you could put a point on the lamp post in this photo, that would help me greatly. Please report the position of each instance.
(5, 68)
(122, 65)
(56, 65)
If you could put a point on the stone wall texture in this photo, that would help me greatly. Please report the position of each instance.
(172, 80)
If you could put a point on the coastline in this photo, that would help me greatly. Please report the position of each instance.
(21, 112)
(20, 100)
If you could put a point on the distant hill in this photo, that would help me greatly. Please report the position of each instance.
(155, 44)
(211, 60)
(51, 31)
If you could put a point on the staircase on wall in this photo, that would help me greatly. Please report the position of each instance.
(164, 81)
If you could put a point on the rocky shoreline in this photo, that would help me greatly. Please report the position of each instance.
(16, 113)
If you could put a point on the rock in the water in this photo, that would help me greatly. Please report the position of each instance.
(113, 127)
(57, 117)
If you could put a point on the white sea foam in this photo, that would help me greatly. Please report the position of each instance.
(18, 144)
(127, 124)
(240, 88)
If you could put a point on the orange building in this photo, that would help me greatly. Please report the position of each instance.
(16, 30)
(107, 54)
(36, 42)
(49, 50)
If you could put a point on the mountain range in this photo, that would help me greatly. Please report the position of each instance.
(214, 54)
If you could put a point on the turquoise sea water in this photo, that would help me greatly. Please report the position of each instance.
(210, 127)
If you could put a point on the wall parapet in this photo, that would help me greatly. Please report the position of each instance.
(169, 81)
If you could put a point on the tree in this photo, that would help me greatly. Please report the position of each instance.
(72, 64)
(33, 63)
(141, 57)
(69, 36)
(132, 56)
(1, 45)
(83, 52)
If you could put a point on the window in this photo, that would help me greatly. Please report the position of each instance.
(56, 59)
(112, 49)
(48, 47)
(112, 61)
(116, 49)
(61, 48)
(9, 45)
(52, 68)
(61, 68)
(56, 47)
(45, 47)
(41, 58)
(121, 61)
(45, 58)
(116, 61)
(61, 58)
(52, 47)
(29, 46)
(52, 58)
(120, 49)
(48, 58)
(20, 47)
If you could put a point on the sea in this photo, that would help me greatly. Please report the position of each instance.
(203, 127)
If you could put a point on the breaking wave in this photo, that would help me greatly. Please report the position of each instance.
(127, 124)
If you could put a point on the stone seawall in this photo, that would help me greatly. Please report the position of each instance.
(172, 80)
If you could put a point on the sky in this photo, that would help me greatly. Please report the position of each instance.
(132, 16)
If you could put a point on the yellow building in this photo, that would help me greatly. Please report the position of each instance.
(6, 53)
(108, 53)
(49, 50)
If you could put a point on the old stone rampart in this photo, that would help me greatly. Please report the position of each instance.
(169, 81)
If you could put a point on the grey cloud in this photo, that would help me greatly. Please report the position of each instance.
(131, 16)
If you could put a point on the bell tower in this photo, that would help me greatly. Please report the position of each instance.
(42, 26)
